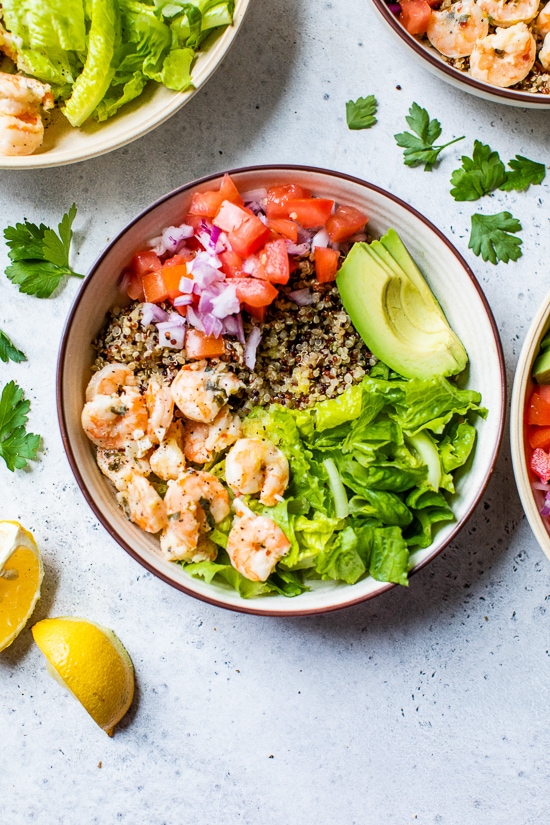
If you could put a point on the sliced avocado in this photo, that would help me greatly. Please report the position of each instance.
(395, 312)
(545, 343)
(541, 368)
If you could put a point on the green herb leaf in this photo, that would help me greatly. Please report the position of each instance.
(40, 256)
(524, 173)
(419, 148)
(479, 175)
(9, 352)
(17, 447)
(360, 113)
(490, 237)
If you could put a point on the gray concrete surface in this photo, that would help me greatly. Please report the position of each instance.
(426, 705)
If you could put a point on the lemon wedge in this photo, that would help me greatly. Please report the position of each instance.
(21, 575)
(90, 661)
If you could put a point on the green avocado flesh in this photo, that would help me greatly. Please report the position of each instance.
(395, 312)
(541, 368)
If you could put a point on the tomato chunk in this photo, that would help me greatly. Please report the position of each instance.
(539, 437)
(145, 261)
(199, 345)
(326, 263)
(208, 203)
(415, 15)
(180, 258)
(346, 221)
(258, 313)
(163, 284)
(134, 287)
(255, 292)
(310, 212)
(249, 236)
(274, 263)
(278, 197)
(232, 264)
(285, 227)
(230, 216)
(538, 411)
(540, 464)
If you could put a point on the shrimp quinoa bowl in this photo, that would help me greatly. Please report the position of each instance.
(281, 390)
(497, 49)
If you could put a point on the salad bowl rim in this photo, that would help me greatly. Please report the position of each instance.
(64, 427)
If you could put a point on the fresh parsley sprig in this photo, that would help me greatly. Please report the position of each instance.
(17, 446)
(419, 148)
(40, 256)
(490, 237)
(8, 350)
(484, 172)
(360, 113)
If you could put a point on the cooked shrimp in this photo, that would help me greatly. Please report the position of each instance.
(256, 466)
(202, 441)
(543, 21)
(143, 504)
(255, 545)
(510, 12)
(119, 467)
(168, 460)
(454, 31)
(160, 406)
(504, 58)
(115, 414)
(21, 127)
(194, 502)
(544, 54)
(201, 390)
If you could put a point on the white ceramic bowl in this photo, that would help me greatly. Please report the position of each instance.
(452, 282)
(431, 60)
(63, 144)
(531, 500)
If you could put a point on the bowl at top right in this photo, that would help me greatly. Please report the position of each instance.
(532, 499)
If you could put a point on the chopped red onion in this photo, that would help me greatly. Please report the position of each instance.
(124, 282)
(545, 511)
(360, 236)
(186, 285)
(297, 249)
(171, 335)
(320, 239)
(212, 326)
(206, 259)
(302, 297)
(194, 318)
(251, 347)
(254, 195)
(183, 300)
(395, 8)
(151, 313)
(226, 303)
(233, 325)
(540, 485)
(171, 238)
(205, 302)
(305, 235)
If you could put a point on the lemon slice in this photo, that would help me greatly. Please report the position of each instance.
(21, 575)
(91, 662)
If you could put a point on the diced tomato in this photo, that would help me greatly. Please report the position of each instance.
(163, 285)
(208, 203)
(230, 216)
(544, 392)
(326, 263)
(285, 227)
(180, 258)
(293, 265)
(199, 345)
(274, 263)
(256, 312)
(232, 264)
(539, 437)
(346, 221)
(278, 197)
(538, 410)
(249, 236)
(255, 292)
(310, 212)
(415, 15)
(134, 287)
(540, 464)
(145, 261)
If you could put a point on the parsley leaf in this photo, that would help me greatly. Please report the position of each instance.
(17, 447)
(490, 237)
(360, 113)
(40, 257)
(479, 175)
(524, 173)
(419, 148)
(8, 351)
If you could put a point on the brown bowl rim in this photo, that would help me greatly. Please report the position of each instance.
(64, 429)
(424, 53)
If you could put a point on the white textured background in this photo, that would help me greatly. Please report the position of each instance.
(426, 705)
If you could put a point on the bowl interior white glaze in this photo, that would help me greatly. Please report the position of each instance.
(449, 277)
(63, 144)
(531, 500)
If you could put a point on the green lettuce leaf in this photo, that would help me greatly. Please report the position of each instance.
(389, 556)
(343, 558)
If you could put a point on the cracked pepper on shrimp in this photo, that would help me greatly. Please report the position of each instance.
(503, 43)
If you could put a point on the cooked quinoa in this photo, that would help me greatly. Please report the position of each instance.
(306, 353)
